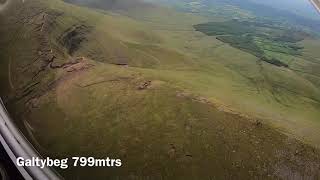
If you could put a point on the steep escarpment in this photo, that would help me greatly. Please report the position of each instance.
(33, 56)
(73, 37)
(29, 51)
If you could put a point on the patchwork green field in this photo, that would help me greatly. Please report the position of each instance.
(256, 38)
(177, 90)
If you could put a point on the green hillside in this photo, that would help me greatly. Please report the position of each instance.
(140, 82)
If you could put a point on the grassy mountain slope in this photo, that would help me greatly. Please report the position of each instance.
(281, 95)
(171, 102)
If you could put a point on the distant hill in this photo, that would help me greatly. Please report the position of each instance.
(112, 4)
(294, 11)
(299, 7)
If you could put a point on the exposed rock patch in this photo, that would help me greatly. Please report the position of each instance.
(144, 85)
